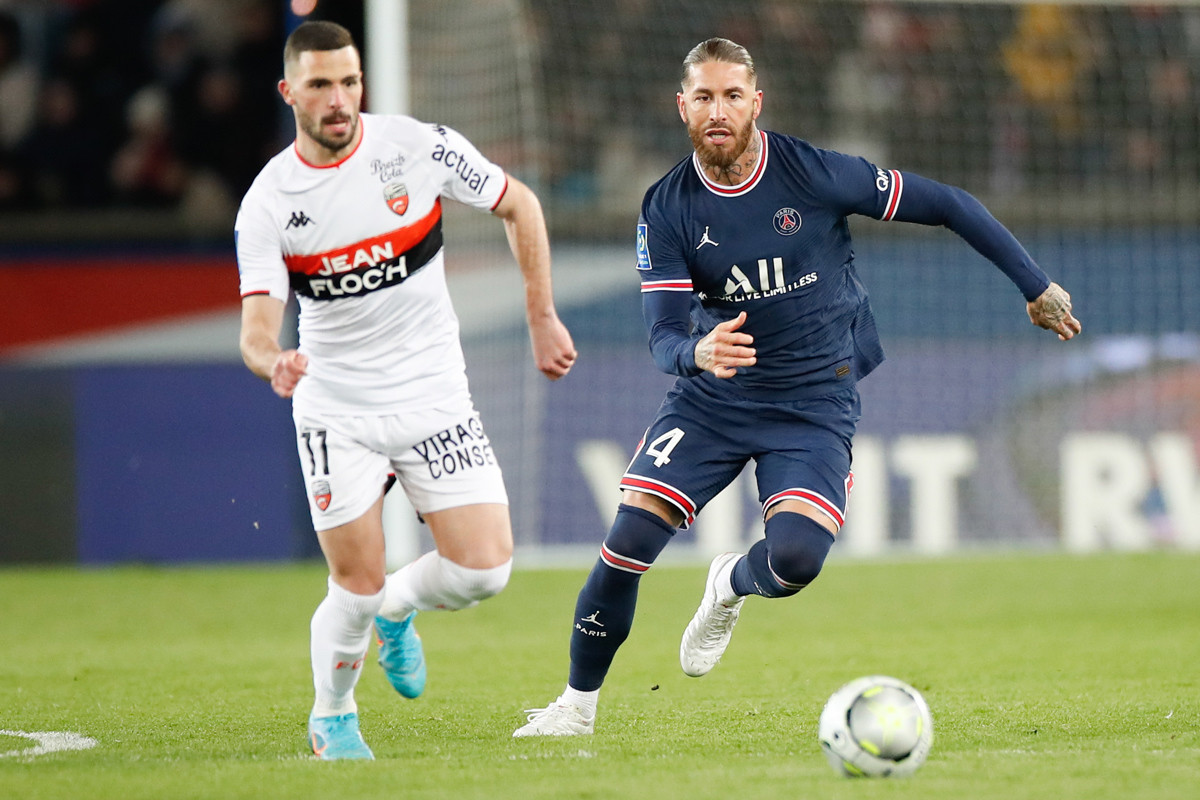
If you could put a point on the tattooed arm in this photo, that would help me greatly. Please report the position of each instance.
(1052, 311)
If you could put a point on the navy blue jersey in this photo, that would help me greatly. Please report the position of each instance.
(777, 246)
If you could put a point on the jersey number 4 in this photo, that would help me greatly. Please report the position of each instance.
(661, 447)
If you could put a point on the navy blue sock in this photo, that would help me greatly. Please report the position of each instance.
(604, 610)
(787, 560)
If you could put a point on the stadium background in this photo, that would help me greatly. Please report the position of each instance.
(130, 431)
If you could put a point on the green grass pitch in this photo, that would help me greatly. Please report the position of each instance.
(1049, 676)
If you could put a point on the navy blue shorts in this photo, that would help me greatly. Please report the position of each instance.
(697, 445)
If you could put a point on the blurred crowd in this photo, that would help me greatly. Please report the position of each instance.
(1004, 98)
(136, 103)
(172, 103)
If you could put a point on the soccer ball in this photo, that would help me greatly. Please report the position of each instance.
(876, 727)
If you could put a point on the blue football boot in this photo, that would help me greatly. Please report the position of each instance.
(401, 655)
(334, 738)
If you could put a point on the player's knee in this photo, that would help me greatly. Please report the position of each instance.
(635, 540)
(468, 586)
(356, 605)
(796, 548)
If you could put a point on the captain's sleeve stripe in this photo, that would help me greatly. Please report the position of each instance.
(667, 286)
(893, 202)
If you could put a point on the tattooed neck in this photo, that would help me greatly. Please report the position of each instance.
(735, 173)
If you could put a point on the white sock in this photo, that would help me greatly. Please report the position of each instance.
(433, 582)
(341, 633)
(724, 585)
(584, 701)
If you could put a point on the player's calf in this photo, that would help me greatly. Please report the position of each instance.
(605, 607)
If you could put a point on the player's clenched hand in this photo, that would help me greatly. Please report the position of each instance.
(1052, 311)
(289, 367)
(553, 350)
(725, 349)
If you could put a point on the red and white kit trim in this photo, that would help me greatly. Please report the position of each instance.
(814, 499)
(897, 190)
(623, 563)
(666, 492)
(667, 286)
(743, 187)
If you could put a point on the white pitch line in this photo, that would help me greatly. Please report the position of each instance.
(49, 742)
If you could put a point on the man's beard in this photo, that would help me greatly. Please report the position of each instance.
(313, 129)
(720, 157)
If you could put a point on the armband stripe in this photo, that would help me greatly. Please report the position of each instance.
(667, 286)
(893, 202)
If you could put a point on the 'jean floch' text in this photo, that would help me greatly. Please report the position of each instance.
(383, 268)
(344, 262)
(458, 448)
(357, 270)
(387, 274)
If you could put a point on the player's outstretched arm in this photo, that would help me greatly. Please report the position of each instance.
(262, 320)
(1052, 311)
(725, 349)
(553, 349)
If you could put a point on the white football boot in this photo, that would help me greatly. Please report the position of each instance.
(707, 635)
(560, 718)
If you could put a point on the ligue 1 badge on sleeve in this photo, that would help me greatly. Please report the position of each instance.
(396, 194)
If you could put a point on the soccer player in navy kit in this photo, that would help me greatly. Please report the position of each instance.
(751, 298)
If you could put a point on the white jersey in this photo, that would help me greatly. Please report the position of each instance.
(359, 242)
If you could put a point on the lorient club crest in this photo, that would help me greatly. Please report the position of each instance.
(322, 494)
(396, 194)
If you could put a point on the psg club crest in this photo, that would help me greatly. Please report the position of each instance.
(322, 494)
(787, 221)
(396, 194)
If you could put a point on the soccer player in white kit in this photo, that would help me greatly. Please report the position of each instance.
(349, 218)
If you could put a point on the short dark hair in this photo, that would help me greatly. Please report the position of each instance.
(718, 49)
(316, 35)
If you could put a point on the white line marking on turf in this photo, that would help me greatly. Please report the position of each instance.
(49, 742)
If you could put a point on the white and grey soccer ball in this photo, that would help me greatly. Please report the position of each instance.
(876, 727)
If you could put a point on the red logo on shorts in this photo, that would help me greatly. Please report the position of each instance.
(322, 494)
(396, 195)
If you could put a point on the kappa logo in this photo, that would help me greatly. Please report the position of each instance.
(787, 221)
(322, 495)
(299, 220)
(396, 195)
(706, 240)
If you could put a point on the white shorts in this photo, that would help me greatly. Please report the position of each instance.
(442, 458)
